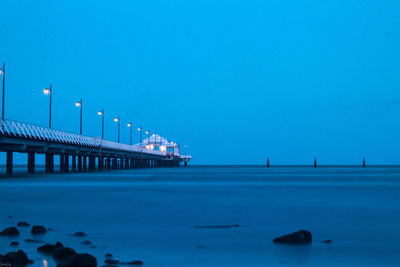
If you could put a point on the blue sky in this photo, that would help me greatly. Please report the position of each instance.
(236, 80)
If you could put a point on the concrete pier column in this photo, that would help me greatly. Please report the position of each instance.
(73, 163)
(126, 163)
(9, 168)
(114, 163)
(92, 163)
(84, 159)
(108, 163)
(185, 163)
(100, 162)
(79, 163)
(31, 162)
(49, 162)
(66, 163)
(62, 163)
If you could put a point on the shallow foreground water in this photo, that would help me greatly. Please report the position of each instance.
(152, 214)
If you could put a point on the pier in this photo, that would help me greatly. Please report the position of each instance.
(80, 153)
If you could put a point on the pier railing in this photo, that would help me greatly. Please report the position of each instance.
(24, 130)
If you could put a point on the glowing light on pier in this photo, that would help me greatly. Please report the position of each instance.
(46, 91)
(116, 119)
(78, 103)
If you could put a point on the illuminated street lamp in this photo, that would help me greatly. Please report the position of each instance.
(48, 91)
(101, 113)
(116, 119)
(130, 126)
(3, 74)
(80, 104)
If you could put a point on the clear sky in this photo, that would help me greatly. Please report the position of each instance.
(236, 80)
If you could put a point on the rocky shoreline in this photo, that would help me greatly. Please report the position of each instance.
(63, 256)
(68, 257)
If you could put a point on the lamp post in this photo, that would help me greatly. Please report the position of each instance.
(79, 104)
(3, 73)
(117, 120)
(48, 91)
(148, 137)
(130, 126)
(101, 113)
(141, 135)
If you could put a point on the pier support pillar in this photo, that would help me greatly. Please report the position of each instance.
(108, 163)
(66, 163)
(79, 163)
(49, 162)
(126, 163)
(9, 168)
(84, 159)
(62, 162)
(114, 163)
(31, 162)
(100, 162)
(92, 163)
(185, 163)
(73, 163)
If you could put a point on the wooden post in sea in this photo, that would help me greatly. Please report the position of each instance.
(315, 162)
(267, 162)
(363, 162)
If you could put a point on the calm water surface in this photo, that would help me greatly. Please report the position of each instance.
(151, 214)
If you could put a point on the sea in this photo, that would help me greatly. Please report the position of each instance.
(211, 215)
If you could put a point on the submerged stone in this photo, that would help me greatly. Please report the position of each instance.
(49, 248)
(18, 258)
(23, 224)
(38, 230)
(79, 260)
(63, 253)
(10, 231)
(299, 237)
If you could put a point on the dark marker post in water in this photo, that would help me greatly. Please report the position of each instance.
(315, 162)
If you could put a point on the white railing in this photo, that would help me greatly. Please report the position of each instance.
(23, 130)
(34, 132)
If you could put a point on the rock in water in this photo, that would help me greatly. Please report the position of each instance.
(10, 231)
(23, 224)
(80, 234)
(63, 253)
(79, 260)
(299, 237)
(108, 255)
(328, 241)
(18, 258)
(14, 244)
(38, 230)
(49, 248)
